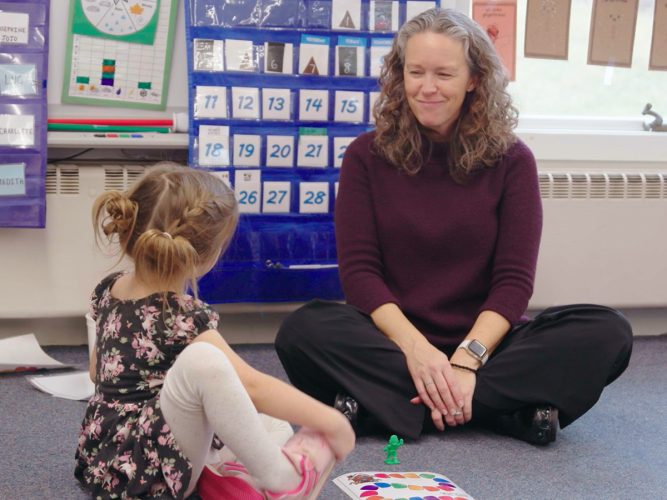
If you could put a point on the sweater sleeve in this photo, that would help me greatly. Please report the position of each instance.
(519, 233)
(357, 245)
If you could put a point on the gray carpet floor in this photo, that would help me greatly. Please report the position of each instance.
(618, 450)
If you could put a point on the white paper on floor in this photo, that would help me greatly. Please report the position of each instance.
(23, 353)
(71, 385)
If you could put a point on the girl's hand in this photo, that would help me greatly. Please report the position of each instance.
(435, 381)
(340, 436)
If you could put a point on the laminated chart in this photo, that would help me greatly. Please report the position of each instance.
(119, 52)
(23, 71)
(277, 91)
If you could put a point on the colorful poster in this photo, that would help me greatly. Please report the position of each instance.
(547, 29)
(399, 485)
(612, 34)
(499, 21)
(658, 58)
(128, 20)
(116, 60)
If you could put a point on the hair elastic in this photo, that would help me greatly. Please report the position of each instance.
(165, 233)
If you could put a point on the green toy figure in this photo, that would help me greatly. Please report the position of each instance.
(393, 445)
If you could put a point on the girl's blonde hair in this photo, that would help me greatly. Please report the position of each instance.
(174, 223)
(484, 130)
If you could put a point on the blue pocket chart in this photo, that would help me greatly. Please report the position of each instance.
(23, 69)
(297, 86)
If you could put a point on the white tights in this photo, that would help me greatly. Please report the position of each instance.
(202, 395)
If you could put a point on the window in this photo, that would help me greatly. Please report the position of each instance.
(574, 88)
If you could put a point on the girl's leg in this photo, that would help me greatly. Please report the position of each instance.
(203, 395)
(327, 348)
(563, 358)
(279, 431)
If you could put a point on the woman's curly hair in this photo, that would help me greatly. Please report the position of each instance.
(484, 129)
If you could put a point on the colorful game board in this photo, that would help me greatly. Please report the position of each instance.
(399, 486)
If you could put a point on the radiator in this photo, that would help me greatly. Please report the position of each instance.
(604, 240)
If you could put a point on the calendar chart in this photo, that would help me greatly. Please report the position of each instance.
(119, 52)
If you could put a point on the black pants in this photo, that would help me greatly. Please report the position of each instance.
(564, 357)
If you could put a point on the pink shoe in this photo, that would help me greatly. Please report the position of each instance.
(310, 455)
(224, 484)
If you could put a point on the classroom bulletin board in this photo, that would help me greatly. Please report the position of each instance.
(23, 70)
(277, 90)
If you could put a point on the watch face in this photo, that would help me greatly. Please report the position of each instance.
(477, 348)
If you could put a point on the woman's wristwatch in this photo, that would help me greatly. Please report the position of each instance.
(476, 349)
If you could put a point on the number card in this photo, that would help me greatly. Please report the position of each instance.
(313, 197)
(208, 55)
(313, 150)
(350, 60)
(380, 47)
(278, 57)
(314, 55)
(340, 145)
(276, 104)
(372, 99)
(346, 15)
(14, 27)
(245, 102)
(349, 106)
(276, 199)
(414, 8)
(247, 185)
(223, 175)
(17, 130)
(210, 102)
(314, 105)
(383, 15)
(213, 145)
(279, 151)
(240, 55)
(247, 150)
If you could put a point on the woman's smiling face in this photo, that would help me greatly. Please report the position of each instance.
(437, 79)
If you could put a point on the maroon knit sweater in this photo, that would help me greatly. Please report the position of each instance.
(443, 252)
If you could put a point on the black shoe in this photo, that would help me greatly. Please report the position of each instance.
(536, 425)
(348, 406)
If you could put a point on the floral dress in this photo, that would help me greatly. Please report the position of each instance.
(126, 449)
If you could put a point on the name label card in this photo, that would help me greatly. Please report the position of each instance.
(12, 179)
(18, 80)
(17, 130)
(14, 28)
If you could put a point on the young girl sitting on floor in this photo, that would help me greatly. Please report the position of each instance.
(165, 380)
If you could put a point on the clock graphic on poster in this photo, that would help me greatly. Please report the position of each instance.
(128, 20)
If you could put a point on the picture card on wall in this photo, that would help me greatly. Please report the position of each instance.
(383, 15)
(658, 59)
(612, 34)
(314, 55)
(547, 29)
(498, 19)
(346, 15)
(278, 57)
